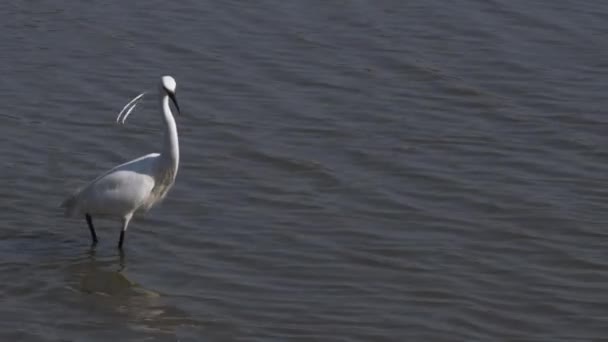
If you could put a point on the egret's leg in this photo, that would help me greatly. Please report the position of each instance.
(91, 228)
(125, 224)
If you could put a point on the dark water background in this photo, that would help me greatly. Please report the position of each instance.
(351, 170)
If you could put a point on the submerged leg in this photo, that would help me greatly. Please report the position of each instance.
(91, 228)
(125, 224)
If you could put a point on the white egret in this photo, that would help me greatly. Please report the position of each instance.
(135, 186)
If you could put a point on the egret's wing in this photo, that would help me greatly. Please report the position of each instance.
(143, 164)
(125, 186)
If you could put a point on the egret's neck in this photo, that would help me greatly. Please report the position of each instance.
(170, 153)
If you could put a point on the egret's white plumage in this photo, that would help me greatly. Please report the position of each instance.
(134, 186)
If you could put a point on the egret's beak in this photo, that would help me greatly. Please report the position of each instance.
(172, 96)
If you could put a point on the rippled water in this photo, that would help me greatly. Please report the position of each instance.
(351, 171)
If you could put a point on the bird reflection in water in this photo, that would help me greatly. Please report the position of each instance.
(99, 276)
(107, 276)
(104, 278)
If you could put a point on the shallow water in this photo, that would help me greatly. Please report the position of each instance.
(350, 171)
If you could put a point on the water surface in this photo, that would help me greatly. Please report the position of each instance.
(350, 171)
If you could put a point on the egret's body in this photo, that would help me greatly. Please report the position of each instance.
(135, 186)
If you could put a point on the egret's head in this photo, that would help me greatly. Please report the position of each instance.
(168, 83)
(170, 86)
